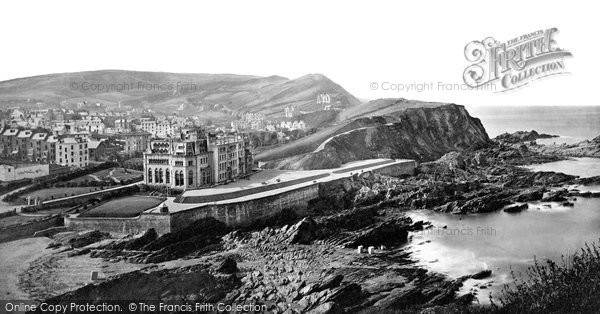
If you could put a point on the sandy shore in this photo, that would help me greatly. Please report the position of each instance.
(15, 258)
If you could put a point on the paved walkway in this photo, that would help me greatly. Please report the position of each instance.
(7, 207)
(92, 193)
(334, 174)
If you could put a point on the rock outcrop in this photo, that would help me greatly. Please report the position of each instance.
(588, 148)
(422, 134)
(522, 136)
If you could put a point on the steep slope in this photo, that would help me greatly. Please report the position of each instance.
(384, 107)
(268, 95)
(421, 133)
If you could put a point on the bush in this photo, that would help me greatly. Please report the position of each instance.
(56, 181)
(572, 287)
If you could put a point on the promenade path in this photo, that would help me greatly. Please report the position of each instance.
(257, 186)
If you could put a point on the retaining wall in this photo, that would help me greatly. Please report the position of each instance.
(233, 214)
(160, 223)
(25, 230)
(244, 213)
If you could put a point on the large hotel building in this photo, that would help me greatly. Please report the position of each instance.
(197, 160)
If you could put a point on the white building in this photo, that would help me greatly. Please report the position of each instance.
(72, 152)
(160, 129)
(12, 173)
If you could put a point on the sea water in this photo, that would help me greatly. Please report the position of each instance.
(507, 244)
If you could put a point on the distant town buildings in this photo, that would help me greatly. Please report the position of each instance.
(289, 111)
(96, 149)
(135, 142)
(323, 99)
(160, 129)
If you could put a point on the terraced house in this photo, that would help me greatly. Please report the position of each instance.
(196, 160)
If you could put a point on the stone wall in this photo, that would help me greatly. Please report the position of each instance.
(160, 223)
(234, 214)
(405, 168)
(247, 212)
(244, 213)
(25, 230)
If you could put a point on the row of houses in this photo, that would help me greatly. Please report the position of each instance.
(42, 147)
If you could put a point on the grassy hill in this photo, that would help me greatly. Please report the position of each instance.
(236, 93)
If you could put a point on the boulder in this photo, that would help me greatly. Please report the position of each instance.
(327, 308)
(330, 282)
(517, 208)
(385, 233)
(482, 274)
(227, 266)
(87, 238)
(531, 194)
(303, 232)
(556, 196)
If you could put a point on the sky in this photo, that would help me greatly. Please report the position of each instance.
(357, 44)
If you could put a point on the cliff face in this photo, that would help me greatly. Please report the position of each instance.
(422, 134)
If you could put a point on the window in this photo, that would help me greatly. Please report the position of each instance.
(149, 175)
(190, 162)
(206, 176)
(190, 177)
(167, 176)
(156, 176)
(181, 182)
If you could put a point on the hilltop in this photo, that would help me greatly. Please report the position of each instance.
(235, 93)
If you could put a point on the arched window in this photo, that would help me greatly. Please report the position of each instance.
(190, 177)
(149, 175)
(156, 176)
(167, 176)
(160, 175)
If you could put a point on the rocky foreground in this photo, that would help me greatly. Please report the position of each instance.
(294, 264)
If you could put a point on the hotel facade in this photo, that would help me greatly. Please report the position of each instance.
(196, 160)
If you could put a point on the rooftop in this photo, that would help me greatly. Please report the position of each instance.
(39, 136)
(25, 134)
(10, 132)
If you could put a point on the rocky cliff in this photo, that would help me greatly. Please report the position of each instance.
(422, 134)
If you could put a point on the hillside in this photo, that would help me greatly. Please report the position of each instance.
(420, 133)
(374, 113)
(237, 93)
(384, 107)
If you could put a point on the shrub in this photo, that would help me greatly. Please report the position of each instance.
(571, 287)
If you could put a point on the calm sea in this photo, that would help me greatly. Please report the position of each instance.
(509, 242)
(572, 123)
